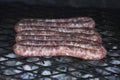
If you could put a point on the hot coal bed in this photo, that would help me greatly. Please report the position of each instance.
(14, 67)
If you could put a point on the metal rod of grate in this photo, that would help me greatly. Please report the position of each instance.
(14, 67)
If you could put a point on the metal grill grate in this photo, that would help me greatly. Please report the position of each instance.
(13, 67)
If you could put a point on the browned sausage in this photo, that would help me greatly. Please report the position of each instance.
(95, 38)
(73, 22)
(59, 29)
(80, 50)
(53, 34)
(75, 19)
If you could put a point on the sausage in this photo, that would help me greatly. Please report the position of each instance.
(80, 24)
(75, 19)
(95, 38)
(80, 43)
(83, 51)
(38, 34)
(76, 22)
(58, 29)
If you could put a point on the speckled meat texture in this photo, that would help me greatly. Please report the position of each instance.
(75, 19)
(76, 22)
(46, 35)
(59, 29)
(65, 39)
(75, 49)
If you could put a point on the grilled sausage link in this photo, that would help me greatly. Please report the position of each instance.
(59, 29)
(82, 50)
(36, 34)
(81, 43)
(76, 22)
(94, 38)
(75, 19)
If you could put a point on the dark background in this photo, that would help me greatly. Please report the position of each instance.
(70, 3)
